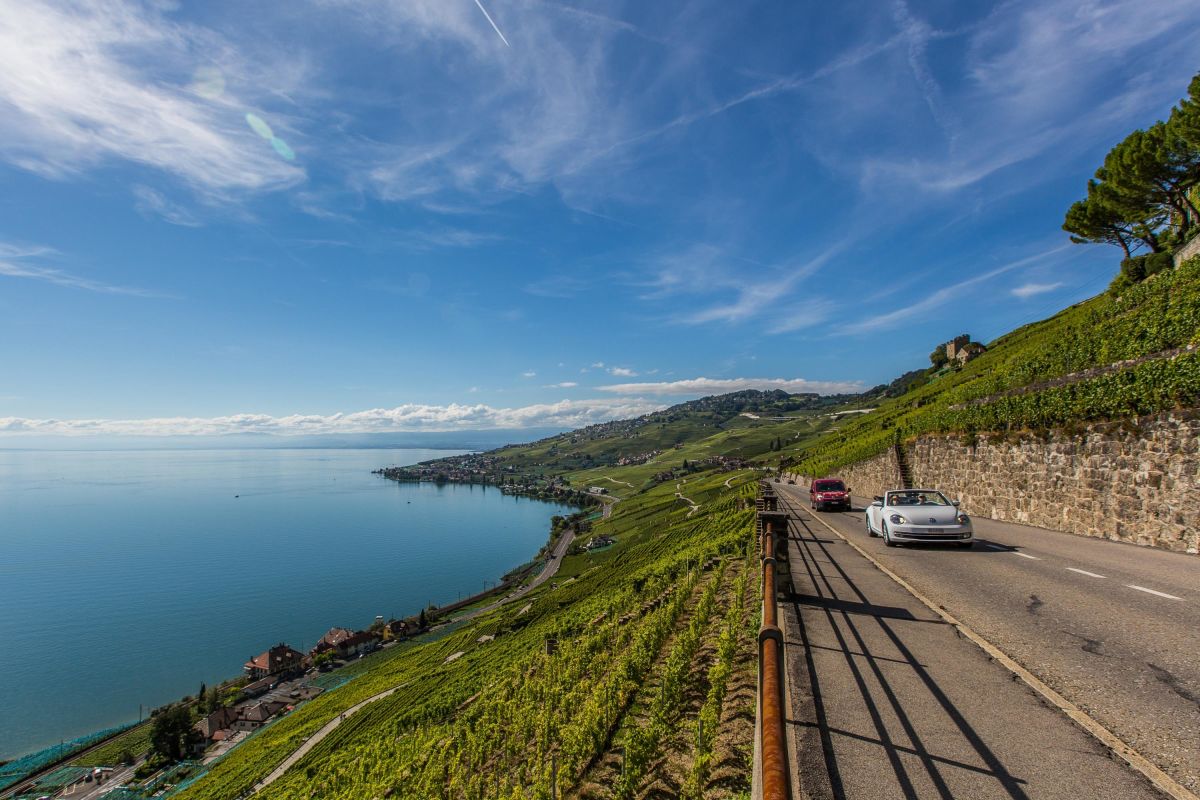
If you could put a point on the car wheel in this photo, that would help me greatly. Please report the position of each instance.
(870, 530)
(887, 539)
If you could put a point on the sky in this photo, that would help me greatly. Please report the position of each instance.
(348, 216)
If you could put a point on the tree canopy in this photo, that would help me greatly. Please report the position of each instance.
(171, 733)
(1144, 194)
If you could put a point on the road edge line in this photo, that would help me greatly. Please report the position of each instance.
(1157, 778)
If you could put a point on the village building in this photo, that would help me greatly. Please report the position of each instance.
(252, 717)
(961, 349)
(279, 659)
(332, 639)
(215, 727)
(261, 686)
(359, 644)
(345, 643)
(397, 630)
(968, 352)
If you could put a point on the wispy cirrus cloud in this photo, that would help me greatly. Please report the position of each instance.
(704, 386)
(14, 263)
(561, 385)
(704, 270)
(942, 296)
(1040, 76)
(443, 237)
(1033, 289)
(83, 84)
(152, 202)
(556, 286)
(409, 417)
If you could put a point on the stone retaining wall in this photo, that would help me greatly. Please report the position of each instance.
(1136, 481)
(1187, 251)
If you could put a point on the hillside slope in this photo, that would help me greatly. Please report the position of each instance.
(1112, 357)
(653, 659)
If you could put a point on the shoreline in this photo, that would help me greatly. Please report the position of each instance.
(440, 615)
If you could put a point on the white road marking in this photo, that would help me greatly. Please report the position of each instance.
(1085, 572)
(1151, 591)
(1163, 782)
(1025, 555)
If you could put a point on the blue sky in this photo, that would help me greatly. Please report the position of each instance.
(344, 215)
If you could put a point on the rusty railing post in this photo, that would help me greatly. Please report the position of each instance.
(772, 705)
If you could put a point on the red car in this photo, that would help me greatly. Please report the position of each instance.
(829, 493)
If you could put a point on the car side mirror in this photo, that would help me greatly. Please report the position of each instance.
(878, 504)
(878, 499)
(847, 490)
(956, 502)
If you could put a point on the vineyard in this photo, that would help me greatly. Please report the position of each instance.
(632, 677)
(1115, 356)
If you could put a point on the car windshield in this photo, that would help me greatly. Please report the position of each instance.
(918, 498)
(830, 486)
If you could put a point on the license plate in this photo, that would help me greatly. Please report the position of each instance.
(933, 530)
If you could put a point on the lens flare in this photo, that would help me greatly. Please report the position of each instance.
(208, 82)
(282, 148)
(260, 127)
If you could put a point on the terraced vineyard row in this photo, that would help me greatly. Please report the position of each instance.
(665, 745)
(1157, 320)
(492, 711)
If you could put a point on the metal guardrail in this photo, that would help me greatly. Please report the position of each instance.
(772, 768)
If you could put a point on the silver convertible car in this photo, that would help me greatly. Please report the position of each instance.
(918, 515)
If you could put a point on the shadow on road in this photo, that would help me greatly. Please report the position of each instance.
(850, 621)
(867, 609)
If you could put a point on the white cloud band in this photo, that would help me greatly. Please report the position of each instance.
(406, 418)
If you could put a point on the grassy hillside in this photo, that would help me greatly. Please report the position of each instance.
(693, 423)
(649, 691)
(651, 688)
(1111, 357)
(654, 660)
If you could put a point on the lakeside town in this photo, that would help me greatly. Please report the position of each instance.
(181, 740)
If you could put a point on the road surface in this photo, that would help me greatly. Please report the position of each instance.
(890, 701)
(548, 572)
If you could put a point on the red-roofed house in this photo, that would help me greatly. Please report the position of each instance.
(211, 726)
(359, 643)
(279, 658)
(332, 639)
(346, 643)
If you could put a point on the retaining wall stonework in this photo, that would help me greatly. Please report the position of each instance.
(1136, 481)
(1187, 251)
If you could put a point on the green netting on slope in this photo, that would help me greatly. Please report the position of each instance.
(18, 770)
(124, 794)
(331, 680)
(60, 778)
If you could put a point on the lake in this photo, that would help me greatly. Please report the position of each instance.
(129, 577)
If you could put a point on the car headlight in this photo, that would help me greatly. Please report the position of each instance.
(897, 519)
(963, 519)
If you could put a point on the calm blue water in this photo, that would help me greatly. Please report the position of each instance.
(130, 577)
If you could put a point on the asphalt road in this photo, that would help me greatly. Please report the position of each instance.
(890, 702)
(548, 571)
(96, 790)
